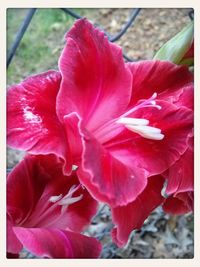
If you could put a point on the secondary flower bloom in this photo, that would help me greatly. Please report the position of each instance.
(119, 123)
(46, 211)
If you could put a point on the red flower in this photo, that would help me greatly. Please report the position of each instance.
(46, 211)
(120, 123)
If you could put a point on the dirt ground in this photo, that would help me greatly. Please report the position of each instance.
(151, 29)
(162, 236)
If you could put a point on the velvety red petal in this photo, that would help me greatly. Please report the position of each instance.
(132, 216)
(72, 123)
(42, 178)
(14, 246)
(55, 243)
(24, 187)
(186, 98)
(179, 204)
(155, 156)
(107, 178)
(163, 77)
(181, 175)
(32, 123)
(95, 81)
(121, 166)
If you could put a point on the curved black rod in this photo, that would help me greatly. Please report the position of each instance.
(19, 35)
(128, 58)
(131, 19)
(71, 13)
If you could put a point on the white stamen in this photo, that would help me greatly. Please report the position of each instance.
(154, 95)
(153, 136)
(148, 132)
(71, 190)
(153, 102)
(54, 199)
(144, 129)
(67, 199)
(150, 106)
(133, 121)
(140, 126)
(66, 202)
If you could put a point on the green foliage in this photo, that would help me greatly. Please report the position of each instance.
(42, 43)
(175, 48)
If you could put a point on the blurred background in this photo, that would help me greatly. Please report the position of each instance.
(162, 235)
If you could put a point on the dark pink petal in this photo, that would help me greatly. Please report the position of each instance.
(72, 123)
(95, 81)
(121, 166)
(55, 243)
(186, 98)
(32, 123)
(155, 156)
(181, 174)
(163, 77)
(14, 246)
(179, 204)
(107, 178)
(131, 217)
(42, 178)
(24, 187)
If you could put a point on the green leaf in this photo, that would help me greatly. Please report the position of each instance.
(175, 49)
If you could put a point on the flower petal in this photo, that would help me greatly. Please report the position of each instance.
(181, 174)
(106, 178)
(55, 243)
(155, 156)
(32, 123)
(94, 77)
(14, 246)
(112, 165)
(163, 77)
(29, 205)
(180, 203)
(21, 202)
(131, 217)
(185, 98)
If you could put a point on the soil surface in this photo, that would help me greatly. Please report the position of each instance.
(150, 30)
(162, 235)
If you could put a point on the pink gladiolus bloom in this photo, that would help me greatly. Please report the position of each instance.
(122, 124)
(46, 211)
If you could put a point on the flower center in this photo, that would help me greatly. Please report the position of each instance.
(136, 125)
(140, 126)
(66, 200)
